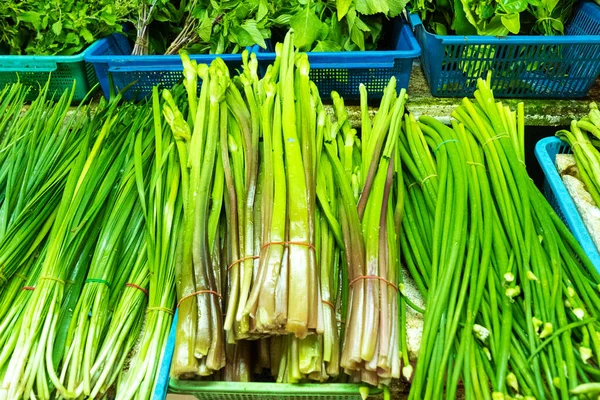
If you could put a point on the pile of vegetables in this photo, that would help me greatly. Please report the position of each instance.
(279, 234)
(494, 18)
(88, 210)
(309, 212)
(512, 300)
(59, 27)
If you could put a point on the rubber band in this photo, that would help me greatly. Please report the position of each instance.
(69, 281)
(163, 309)
(330, 304)
(369, 277)
(444, 142)
(428, 177)
(413, 184)
(579, 142)
(309, 245)
(95, 280)
(476, 164)
(141, 289)
(339, 321)
(242, 260)
(51, 278)
(197, 293)
(500, 136)
(21, 276)
(28, 288)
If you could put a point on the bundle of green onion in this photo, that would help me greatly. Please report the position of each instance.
(583, 139)
(512, 300)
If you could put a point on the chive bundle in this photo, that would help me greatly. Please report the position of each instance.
(511, 297)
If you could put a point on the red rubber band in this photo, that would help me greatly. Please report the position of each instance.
(242, 260)
(330, 304)
(309, 245)
(369, 277)
(28, 288)
(141, 289)
(197, 293)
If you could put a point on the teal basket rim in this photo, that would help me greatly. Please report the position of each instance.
(59, 59)
(563, 199)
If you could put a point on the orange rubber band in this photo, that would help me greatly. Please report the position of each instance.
(369, 277)
(475, 164)
(197, 293)
(51, 278)
(28, 288)
(242, 260)
(427, 178)
(133, 285)
(309, 245)
(330, 304)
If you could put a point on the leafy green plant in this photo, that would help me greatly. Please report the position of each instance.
(58, 27)
(494, 17)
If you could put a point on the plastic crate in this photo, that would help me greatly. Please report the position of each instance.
(559, 198)
(141, 73)
(34, 71)
(248, 391)
(523, 66)
(343, 71)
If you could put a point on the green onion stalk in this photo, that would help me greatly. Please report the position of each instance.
(119, 243)
(91, 180)
(39, 147)
(200, 344)
(519, 311)
(241, 164)
(162, 208)
(364, 174)
(587, 156)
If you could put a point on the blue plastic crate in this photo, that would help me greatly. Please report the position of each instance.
(523, 66)
(61, 71)
(559, 198)
(141, 73)
(343, 71)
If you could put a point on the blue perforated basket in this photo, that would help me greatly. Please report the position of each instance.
(344, 71)
(557, 195)
(140, 74)
(523, 66)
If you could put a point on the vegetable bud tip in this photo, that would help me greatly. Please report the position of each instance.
(547, 331)
(586, 354)
(509, 277)
(531, 276)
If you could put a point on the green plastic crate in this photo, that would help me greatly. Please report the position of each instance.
(267, 391)
(34, 71)
(218, 390)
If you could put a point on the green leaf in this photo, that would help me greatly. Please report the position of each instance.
(558, 26)
(513, 6)
(57, 28)
(263, 10)
(461, 25)
(257, 37)
(512, 23)
(342, 8)
(306, 26)
(205, 30)
(32, 17)
(87, 35)
(369, 7)
(356, 34)
(327, 45)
